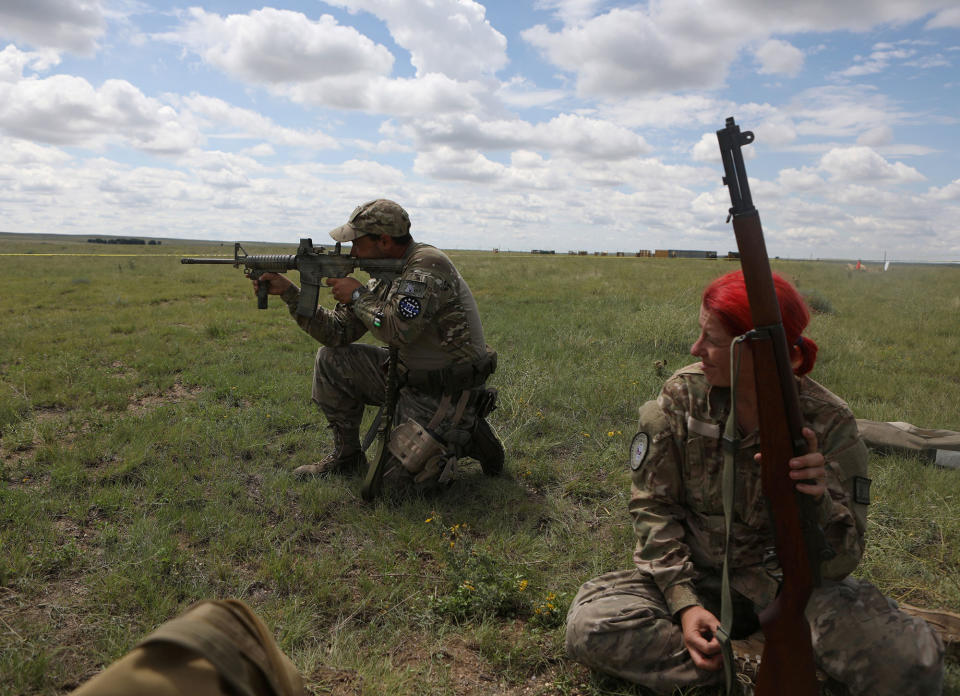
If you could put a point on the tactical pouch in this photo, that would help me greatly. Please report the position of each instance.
(416, 447)
(486, 402)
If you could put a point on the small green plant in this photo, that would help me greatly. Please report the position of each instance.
(550, 611)
(818, 302)
(477, 584)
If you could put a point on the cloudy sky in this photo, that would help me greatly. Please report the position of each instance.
(519, 124)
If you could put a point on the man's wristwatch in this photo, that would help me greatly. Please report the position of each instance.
(355, 295)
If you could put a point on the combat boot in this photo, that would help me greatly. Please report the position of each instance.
(486, 448)
(345, 458)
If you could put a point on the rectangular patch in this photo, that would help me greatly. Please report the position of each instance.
(700, 428)
(861, 490)
(412, 288)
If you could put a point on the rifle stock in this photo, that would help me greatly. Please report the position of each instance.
(787, 666)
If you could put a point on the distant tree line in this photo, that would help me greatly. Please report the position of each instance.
(121, 240)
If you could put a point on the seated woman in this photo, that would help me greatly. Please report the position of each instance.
(656, 623)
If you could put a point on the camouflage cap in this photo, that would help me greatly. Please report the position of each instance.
(381, 216)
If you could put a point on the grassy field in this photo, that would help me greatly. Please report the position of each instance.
(150, 416)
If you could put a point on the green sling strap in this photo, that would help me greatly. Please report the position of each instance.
(731, 445)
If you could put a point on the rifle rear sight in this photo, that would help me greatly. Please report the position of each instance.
(735, 174)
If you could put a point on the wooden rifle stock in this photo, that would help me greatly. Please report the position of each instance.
(787, 666)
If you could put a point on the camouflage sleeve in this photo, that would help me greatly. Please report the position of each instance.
(408, 308)
(335, 327)
(656, 505)
(843, 510)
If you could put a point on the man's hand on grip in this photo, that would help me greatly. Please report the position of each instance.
(278, 283)
(343, 288)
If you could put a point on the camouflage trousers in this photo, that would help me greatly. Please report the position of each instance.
(619, 624)
(348, 378)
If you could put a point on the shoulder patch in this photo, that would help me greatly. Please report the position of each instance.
(861, 490)
(409, 307)
(412, 288)
(639, 447)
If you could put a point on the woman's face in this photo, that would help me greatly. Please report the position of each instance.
(713, 349)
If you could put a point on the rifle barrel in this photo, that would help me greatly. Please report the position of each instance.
(209, 260)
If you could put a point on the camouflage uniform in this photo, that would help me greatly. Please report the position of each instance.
(625, 623)
(428, 313)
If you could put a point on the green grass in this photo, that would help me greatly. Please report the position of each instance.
(150, 415)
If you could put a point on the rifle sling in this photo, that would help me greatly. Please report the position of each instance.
(374, 477)
(373, 429)
(731, 444)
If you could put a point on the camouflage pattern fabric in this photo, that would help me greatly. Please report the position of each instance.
(346, 378)
(428, 312)
(381, 216)
(677, 510)
(620, 624)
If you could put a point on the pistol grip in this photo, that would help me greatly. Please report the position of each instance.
(263, 289)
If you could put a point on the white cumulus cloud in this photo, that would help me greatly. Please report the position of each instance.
(271, 46)
(863, 164)
(564, 134)
(67, 110)
(64, 25)
(779, 58)
(945, 19)
(452, 37)
(631, 51)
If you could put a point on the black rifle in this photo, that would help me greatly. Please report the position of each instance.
(787, 665)
(313, 263)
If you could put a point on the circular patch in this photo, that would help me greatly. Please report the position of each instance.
(409, 307)
(638, 450)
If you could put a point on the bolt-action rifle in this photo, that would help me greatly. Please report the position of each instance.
(313, 263)
(787, 665)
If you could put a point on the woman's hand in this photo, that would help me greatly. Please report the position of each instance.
(699, 635)
(809, 470)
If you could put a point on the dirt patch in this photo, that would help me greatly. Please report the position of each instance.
(61, 613)
(334, 682)
(48, 413)
(173, 395)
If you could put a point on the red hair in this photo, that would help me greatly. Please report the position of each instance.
(726, 297)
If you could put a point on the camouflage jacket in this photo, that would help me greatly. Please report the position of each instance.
(428, 312)
(676, 500)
